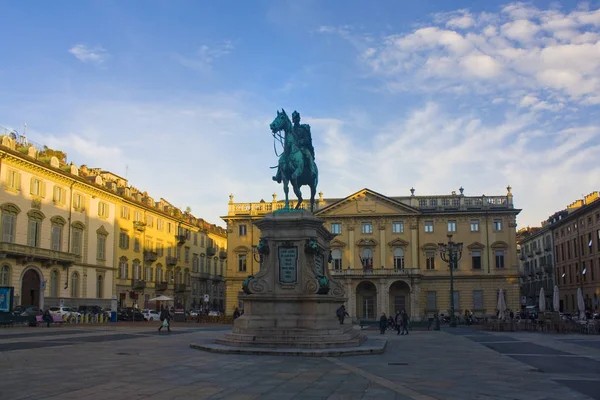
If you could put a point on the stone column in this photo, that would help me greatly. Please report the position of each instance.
(351, 247)
(414, 245)
(383, 298)
(415, 301)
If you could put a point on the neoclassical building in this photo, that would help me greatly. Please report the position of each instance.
(83, 236)
(386, 251)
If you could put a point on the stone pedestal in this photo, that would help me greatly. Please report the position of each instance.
(292, 302)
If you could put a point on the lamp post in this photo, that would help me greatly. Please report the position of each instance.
(450, 253)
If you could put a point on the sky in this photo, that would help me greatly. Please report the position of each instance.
(177, 96)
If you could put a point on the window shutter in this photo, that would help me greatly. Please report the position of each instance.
(43, 189)
(32, 233)
(18, 180)
(7, 228)
(32, 186)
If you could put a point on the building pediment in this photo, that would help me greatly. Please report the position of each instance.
(337, 244)
(499, 245)
(241, 249)
(367, 242)
(398, 243)
(476, 246)
(429, 247)
(366, 202)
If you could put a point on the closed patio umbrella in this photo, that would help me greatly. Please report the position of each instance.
(542, 301)
(161, 298)
(501, 306)
(556, 299)
(580, 304)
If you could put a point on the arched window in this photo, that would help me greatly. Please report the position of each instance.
(336, 257)
(34, 235)
(367, 258)
(159, 274)
(99, 287)
(75, 285)
(5, 275)
(398, 258)
(148, 274)
(54, 281)
(57, 233)
(9, 221)
(77, 238)
(123, 268)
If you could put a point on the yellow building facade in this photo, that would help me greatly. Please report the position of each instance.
(386, 251)
(84, 236)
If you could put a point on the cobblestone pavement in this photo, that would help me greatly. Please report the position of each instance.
(135, 362)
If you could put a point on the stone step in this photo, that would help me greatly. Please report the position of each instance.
(291, 331)
(292, 344)
(283, 338)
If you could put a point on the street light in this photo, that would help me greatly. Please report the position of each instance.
(450, 253)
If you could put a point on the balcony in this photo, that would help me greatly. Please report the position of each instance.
(180, 239)
(222, 255)
(150, 256)
(162, 286)
(211, 251)
(171, 261)
(139, 226)
(25, 254)
(180, 287)
(138, 284)
(359, 272)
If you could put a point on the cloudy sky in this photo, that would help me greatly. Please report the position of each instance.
(177, 96)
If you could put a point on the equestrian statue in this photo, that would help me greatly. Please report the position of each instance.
(297, 161)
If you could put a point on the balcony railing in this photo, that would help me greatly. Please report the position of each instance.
(150, 256)
(171, 261)
(180, 287)
(180, 239)
(162, 286)
(139, 225)
(374, 272)
(31, 254)
(211, 251)
(138, 284)
(222, 255)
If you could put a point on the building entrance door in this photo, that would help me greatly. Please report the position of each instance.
(30, 289)
(368, 307)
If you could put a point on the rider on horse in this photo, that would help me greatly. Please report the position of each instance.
(303, 139)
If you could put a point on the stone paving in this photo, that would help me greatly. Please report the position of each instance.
(135, 362)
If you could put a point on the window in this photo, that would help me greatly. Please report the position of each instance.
(159, 224)
(13, 180)
(476, 259)
(137, 270)
(497, 224)
(101, 249)
(367, 258)
(54, 283)
(456, 300)
(77, 201)
(102, 209)
(123, 268)
(9, 222)
(241, 262)
(35, 229)
(159, 274)
(148, 274)
(475, 225)
(5, 276)
(187, 255)
(336, 259)
(149, 220)
(99, 287)
(59, 195)
(398, 227)
(201, 240)
(75, 285)
(56, 238)
(148, 244)
(598, 240)
(367, 227)
(136, 216)
(160, 251)
(451, 226)
(428, 226)
(336, 228)
(123, 240)
(477, 299)
(76, 239)
(431, 301)
(169, 227)
(398, 258)
(37, 188)
(124, 212)
(430, 259)
(242, 230)
(136, 244)
(499, 254)
(195, 239)
(202, 264)
(195, 263)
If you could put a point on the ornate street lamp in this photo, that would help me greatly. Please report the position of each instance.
(450, 253)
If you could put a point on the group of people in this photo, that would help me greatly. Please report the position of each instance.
(398, 323)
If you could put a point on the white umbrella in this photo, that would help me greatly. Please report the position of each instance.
(501, 307)
(542, 301)
(580, 304)
(161, 298)
(556, 299)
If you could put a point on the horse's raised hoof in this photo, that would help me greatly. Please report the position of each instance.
(276, 179)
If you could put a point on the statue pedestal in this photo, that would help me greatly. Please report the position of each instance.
(292, 302)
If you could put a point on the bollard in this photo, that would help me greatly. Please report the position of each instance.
(100, 318)
(85, 319)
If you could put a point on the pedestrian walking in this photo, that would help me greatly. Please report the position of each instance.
(404, 315)
(165, 320)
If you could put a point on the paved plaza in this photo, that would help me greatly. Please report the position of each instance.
(133, 362)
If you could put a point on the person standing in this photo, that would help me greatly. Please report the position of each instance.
(404, 322)
(342, 314)
(382, 324)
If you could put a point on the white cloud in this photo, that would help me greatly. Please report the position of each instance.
(205, 56)
(93, 55)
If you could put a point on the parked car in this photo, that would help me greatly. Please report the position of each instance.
(194, 313)
(128, 314)
(64, 311)
(151, 315)
(27, 310)
(214, 313)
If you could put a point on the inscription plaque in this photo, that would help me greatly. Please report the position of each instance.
(288, 264)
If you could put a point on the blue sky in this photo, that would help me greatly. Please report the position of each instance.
(178, 95)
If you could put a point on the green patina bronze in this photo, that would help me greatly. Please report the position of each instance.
(245, 284)
(297, 162)
(263, 247)
(323, 285)
(312, 246)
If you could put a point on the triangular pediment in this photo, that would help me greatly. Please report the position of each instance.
(366, 202)
(368, 242)
(398, 243)
(476, 246)
(337, 244)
